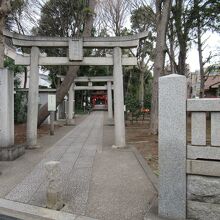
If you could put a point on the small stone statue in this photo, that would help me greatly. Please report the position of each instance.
(54, 189)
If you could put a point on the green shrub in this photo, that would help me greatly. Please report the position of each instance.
(20, 107)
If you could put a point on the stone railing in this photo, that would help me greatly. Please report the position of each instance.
(189, 173)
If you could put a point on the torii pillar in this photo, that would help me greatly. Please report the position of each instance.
(118, 99)
(32, 114)
(109, 91)
(71, 103)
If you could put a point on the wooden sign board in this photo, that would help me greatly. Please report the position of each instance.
(76, 49)
(52, 103)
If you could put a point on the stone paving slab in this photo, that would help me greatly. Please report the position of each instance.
(39, 197)
(88, 152)
(119, 189)
(85, 162)
(77, 190)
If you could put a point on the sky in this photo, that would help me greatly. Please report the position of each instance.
(212, 44)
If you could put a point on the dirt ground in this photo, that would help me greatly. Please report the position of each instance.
(147, 145)
(137, 134)
(20, 132)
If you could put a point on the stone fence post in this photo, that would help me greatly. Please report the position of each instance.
(172, 146)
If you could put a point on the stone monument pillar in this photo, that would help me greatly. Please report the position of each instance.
(172, 146)
(32, 115)
(109, 90)
(118, 99)
(8, 151)
(6, 108)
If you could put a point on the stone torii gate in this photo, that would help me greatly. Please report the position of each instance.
(75, 48)
(90, 80)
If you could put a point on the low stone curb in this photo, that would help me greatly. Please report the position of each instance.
(28, 212)
(152, 214)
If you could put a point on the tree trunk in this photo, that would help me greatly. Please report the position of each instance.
(162, 22)
(2, 48)
(172, 54)
(200, 44)
(89, 19)
(202, 73)
(72, 72)
(182, 30)
(182, 58)
(141, 88)
(5, 8)
(25, 78)
(128, 84)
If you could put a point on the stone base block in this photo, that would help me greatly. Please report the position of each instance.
(70, 122)
(12, 152)
(119, 147)
(203, 189)
(110, 122)
(54, 200)
(32, 147)
(202, 211)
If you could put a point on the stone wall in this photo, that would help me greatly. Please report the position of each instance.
(203, 197)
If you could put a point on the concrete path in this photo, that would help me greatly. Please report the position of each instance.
(99, 182)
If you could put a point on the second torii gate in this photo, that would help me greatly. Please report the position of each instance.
(109, 87)
(75, 48)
